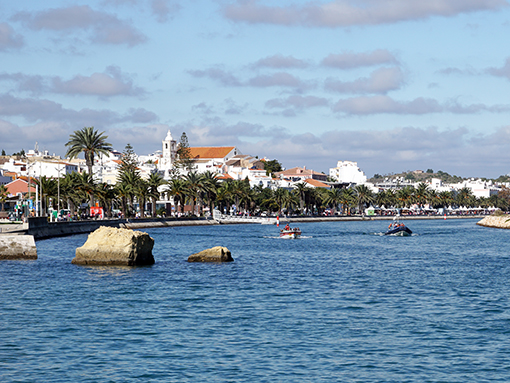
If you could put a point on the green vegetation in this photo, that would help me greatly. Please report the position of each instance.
(272, 166)
(90, 142)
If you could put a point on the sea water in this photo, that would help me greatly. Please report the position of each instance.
(343, 303)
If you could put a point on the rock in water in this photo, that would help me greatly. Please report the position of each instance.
(109, 246)
(215, 254)
(17, 247)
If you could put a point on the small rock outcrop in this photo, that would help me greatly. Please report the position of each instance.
(214, 254)
(501, 222)
(108, 246)
(17, 247)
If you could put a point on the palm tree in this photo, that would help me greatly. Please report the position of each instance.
(141, 191)
(333, 197)
(364, 197)
(210, 186)
(90, 142)
(124, 192)
(301, 189)
(403, 197)
(421, 194)
(84, 184)
(193, 183)
(47, 189)
(3, 196)
(445, 198)
(177, 190)
(106, 195)
(154, 182)
(348, 200)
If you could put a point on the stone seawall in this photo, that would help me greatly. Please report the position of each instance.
(17, 247)
(40, 228)
(495, 222)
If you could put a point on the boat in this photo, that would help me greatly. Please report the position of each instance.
(398, 228)
(290, 233)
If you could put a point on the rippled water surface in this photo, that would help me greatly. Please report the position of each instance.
(344, 303)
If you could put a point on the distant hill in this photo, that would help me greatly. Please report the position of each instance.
(421, 176)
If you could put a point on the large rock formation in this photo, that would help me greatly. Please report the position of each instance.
(215, 254)
(499, 222)
(17, 247)
(116, 247)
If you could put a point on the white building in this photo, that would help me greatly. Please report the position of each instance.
(50, 169)
(348, 172)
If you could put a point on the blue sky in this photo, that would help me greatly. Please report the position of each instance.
(394, 85)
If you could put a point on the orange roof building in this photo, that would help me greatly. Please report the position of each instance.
(301, 174)
(220, 153)
(19, 186)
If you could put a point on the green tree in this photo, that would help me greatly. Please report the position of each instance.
(301, 189)
(364, 197)
(333, 197)
(272, 166)
(177, 190)
(129, 180)
(184, 157)
(3, 196)
(421, 194)
(210, 186)
(90, 142)
(154, 182)
(3, 152)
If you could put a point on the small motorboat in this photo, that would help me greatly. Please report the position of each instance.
(398, 228)
(290, 233)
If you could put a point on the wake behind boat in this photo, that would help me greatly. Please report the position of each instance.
(290, 233)
(398, 228)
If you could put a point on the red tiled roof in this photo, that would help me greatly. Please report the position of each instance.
(210, 152)
(224, 177)
(317, 184)
(18, 186)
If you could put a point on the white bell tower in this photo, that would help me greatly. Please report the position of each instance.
(169, 152)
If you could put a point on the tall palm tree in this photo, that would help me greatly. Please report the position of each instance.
(364, 197)
(141, 191)
(124, 192)
(47, 189)
(154, 182)
(301, 189)
(90, 142)
(421, 194)
(106, 195)
(177, 190)
(210, 186)
(193, 183)
(84, 184)
(403, 197)
(333, 197)
(348, 200)
(3, 196)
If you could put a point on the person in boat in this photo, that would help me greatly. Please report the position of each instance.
(287, 227)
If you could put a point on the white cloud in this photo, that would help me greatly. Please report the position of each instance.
(344, 13)
(279, 62)
(380, 81)
(8, 38)
(112, 82)
(355, 60)
(105, 28)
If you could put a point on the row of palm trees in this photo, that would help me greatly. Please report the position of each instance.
(196, 193)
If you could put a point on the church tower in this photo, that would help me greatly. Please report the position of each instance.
(169, 153)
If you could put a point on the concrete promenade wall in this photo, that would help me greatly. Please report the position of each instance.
(40, 228)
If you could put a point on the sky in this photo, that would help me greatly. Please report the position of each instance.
(394, 85)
